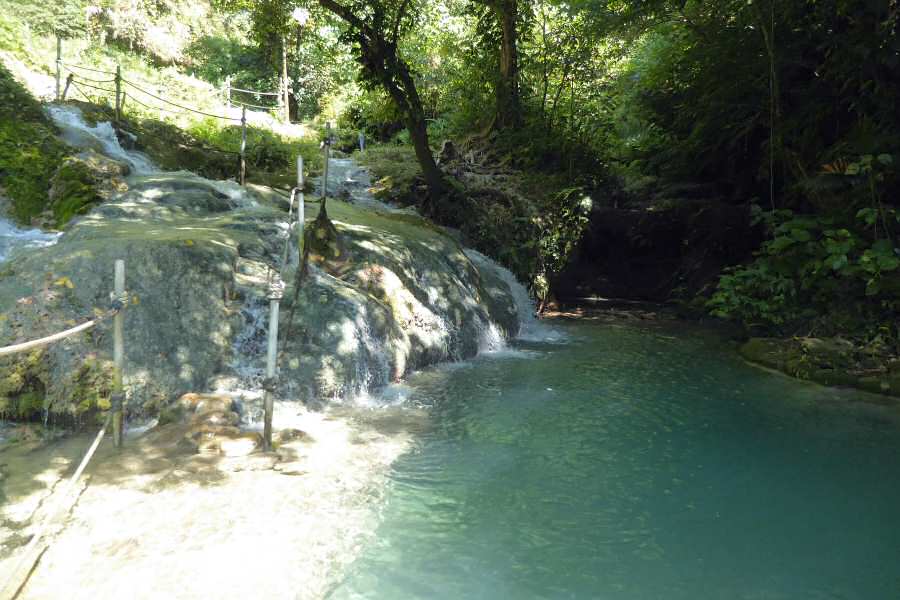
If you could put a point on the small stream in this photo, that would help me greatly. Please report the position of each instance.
(636, 463)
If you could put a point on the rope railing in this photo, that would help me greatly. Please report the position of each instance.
(24, 566)
(193, 110)
(245, 104)
(157, 108)
(83, 78)
(254, 92)
(82, 67)
(93, 87)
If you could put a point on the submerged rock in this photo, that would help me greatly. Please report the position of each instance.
(829, 361)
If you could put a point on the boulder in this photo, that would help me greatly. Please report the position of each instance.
(399, 295)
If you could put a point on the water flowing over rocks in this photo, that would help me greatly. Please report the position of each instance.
(197, 255)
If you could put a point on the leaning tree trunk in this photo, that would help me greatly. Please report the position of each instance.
(418, 132)
(382, 63)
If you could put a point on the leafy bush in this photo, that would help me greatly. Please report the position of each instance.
(816, 265)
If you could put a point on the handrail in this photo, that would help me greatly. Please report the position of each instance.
(234, 89)
(24, 566)
(86, 68)
(199, 112)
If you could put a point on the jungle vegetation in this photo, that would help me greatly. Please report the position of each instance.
(786, 107)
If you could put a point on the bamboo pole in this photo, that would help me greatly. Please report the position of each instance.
(118, 355)
(63, 499)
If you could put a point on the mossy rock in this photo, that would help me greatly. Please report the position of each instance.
(23, 384)
(81, 182)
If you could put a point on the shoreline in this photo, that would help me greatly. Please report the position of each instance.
(166, 523)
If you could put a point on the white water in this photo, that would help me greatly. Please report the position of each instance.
(101, 137)
(531, 329)
(13, 238)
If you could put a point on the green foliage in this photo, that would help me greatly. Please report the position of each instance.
(266, 150)
(561, 226)
(395, 172)
(812, 266)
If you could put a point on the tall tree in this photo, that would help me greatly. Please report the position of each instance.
(509, 106)
(374, 28)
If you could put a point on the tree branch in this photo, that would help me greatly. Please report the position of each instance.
(398, 20)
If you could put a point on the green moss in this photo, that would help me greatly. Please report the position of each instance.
(74, 190)
(23, 379)
(29, 150)
(92, 386)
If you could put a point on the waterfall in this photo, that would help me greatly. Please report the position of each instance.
(101, 137)
(531, 329)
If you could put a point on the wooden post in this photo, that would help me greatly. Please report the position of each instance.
(58, 65)
(118, 93)
(228, 92)
(118, 355)
(243, 176)
(68, 83)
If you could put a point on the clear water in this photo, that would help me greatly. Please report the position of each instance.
(636, 463)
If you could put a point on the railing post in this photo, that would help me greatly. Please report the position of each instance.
(68, 83)
(243, 175)
(271, 358)
(58, 65)
(118, 354)
(301, 207)
(326, 147)
(118, 93)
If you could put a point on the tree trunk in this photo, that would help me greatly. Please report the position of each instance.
(508, 107)
(285, 102)
(382, 63)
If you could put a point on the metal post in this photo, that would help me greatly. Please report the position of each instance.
(326, 145)
(118, 355)
(301, 208)
(68, 83)
(271, 358)
(58, 65)
(243, 176)
(118, 93)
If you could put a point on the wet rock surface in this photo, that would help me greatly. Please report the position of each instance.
(829, 361)
(198, 255)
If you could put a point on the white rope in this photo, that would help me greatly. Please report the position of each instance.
(49, 339)
(25, 346)
(25, 565)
